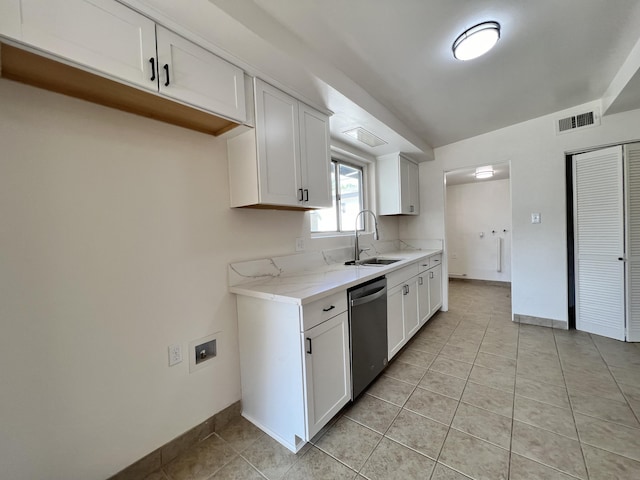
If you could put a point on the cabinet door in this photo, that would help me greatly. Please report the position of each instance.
(100, 34)
(315, 157)
(327, 371)
(196, 76)
(424, 309)
(435, 288)
(395, 323)
(410, 317)
(277, 130)
(414, 189)
(409, 201)
(10, 19)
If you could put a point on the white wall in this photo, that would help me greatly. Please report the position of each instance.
(537, 159)
(476, 216)
(115, 236)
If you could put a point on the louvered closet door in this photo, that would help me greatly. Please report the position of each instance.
(632, 189)
(599, 237)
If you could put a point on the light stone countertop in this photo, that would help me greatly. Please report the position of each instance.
(306, 286)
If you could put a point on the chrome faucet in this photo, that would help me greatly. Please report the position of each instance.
(376, 235)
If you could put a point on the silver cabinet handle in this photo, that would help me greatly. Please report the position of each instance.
(430, 274)
(420, 281)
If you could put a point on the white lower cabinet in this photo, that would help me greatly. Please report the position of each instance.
(424, 307)
(327, 371)
(295, 365)
(435, 288)
(411, 319)
(395, 320)
(411, 300)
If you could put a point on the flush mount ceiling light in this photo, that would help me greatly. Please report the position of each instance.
(484, 172)
(476, 41)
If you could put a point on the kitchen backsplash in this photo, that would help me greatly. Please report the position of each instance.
(252, 270)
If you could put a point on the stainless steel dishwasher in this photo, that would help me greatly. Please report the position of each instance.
(368, 333)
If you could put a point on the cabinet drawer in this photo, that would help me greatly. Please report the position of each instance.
(402, 275)
(317, 312)
(435, 260)
(423, 265)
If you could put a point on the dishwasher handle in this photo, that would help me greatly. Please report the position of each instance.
(369, 298)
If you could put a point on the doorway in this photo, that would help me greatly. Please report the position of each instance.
(478, 223)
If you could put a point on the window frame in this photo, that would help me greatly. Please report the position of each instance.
(336, 161)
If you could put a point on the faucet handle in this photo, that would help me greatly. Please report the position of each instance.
(364, 250)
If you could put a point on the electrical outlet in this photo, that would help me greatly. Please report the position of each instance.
(175, 354)
(300, 244)
(535, 218)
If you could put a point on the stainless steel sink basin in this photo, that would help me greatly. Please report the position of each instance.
(375, 261)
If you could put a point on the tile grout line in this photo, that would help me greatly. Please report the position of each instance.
(513, 404)
(460, 399)
(573, 415)
(637, 417)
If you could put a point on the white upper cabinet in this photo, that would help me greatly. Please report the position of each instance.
(283, 162)
(107, 37)
(314, 157)
(196, 76)
(278, 146)
(100, 34)
(398, 187)
(10, 19)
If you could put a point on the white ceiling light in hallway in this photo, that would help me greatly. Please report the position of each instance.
(484, 172)
(476, 41)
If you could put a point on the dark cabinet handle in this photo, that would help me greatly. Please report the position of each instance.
(166, 70)
(309, 350)
(152, 61)
(301, 197)
(306, 195)
(329, 309)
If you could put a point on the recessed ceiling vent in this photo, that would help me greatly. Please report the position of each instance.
(575, 122)
(365, 136)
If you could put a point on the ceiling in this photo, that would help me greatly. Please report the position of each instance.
(387, 65)
(467, 175)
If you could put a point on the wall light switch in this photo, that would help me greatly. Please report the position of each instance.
(535, 218)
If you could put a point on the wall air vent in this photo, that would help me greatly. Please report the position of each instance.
(579, 121)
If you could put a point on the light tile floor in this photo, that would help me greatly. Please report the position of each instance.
(473, 395)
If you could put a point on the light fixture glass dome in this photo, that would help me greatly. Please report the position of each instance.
(476, 41)
(484, 172)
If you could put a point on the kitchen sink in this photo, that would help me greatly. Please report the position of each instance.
(375, 261)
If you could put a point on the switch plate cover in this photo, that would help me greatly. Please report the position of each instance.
(175, 354)
(535, 218)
